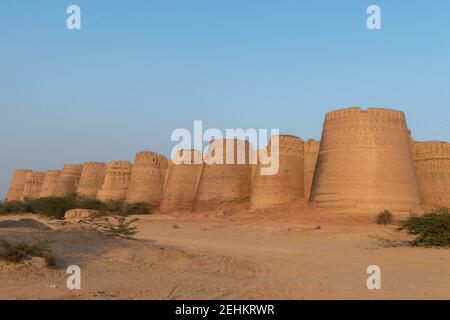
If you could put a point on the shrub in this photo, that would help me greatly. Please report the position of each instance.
(116, 206)
(385, 217)
(137, 208)
(20, 252)
(121, 228)
(53, 207)
(92, 204)
(14, 207)
(431, 229)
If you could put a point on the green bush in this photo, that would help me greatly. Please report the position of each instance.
(385, 217)
(88, 203)
(20, 252)
(431, 229)
(137, 208)
(54, 207)
(14, 207)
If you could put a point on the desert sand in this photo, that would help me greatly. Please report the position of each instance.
(290, 253)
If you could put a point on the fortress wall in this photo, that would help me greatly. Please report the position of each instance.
(311, 151)
(68, 180)
(287, 184)
(164, 168)
(224, 184)
(50, 184)
(33, 185)
(254, 160)
(147, 178)
(91, 179)
(365, 163)
(17, 185)
(432, 160)
(117, 180)
(182, 181)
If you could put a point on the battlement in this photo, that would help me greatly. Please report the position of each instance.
(147, 158)
(427, 150)
(189, 156)
(356, 112)
(311, 146)
(93, 165)
(118, 165)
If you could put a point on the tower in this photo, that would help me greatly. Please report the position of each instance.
(365, 163)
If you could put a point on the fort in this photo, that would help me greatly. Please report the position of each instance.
(147, 178)
(91, 179)
(17, 185)
(33, 185)
(223, 183)
(117, 180)
(287, 184)
(366, 161)
(311, 151)
(68, 179)
(50, 184)
(182, 181)
(432, 160)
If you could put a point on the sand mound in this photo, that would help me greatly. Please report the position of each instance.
(24, 223)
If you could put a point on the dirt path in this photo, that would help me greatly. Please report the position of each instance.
(302, 262)
(229, 257)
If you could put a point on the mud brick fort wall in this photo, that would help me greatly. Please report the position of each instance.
(287, 184)
(365, 162)
(117, 180)
(91, 179)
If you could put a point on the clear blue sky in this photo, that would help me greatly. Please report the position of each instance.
(137, 70)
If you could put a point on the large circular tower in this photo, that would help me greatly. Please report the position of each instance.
(91, 179)
(50, 184)
(226, 175)
(117, 180)
(285, 185)
(33, 185)
(68, 180)
(182, 181)
(17, 185)
(432, 159)
(147, 179)
(365, 163)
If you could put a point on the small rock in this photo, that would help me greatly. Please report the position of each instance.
(80, 213)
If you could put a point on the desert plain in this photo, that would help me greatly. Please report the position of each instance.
(280, 253)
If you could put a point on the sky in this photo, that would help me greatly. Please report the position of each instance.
(138, 70)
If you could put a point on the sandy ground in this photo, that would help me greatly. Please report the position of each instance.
(231, 254)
